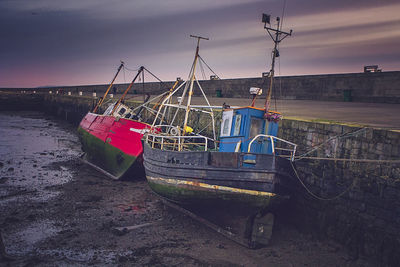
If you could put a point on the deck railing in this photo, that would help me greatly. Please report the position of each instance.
(177, 142)
(273, 139)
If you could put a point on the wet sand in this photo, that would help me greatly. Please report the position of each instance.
(57, 211)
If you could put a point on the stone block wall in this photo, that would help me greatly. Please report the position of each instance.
(18, 101)
(380, 87)
(361, 206)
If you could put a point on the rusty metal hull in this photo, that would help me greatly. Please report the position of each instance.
(217, 178)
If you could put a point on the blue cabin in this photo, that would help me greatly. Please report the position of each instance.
(240, 125)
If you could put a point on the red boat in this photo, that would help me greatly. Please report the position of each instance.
(112, 140)
(113, 144)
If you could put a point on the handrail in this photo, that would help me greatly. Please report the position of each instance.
(176, 137)
(272, 138)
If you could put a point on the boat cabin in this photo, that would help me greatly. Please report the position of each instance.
(122, 111)
(240, 125)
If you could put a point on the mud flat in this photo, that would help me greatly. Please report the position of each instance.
(57, 211)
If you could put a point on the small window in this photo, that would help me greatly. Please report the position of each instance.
(121, 111)
(226, 127)
(226, 122)
(238, 121)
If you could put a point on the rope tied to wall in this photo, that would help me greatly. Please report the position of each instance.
(345, 135)
(318, 197)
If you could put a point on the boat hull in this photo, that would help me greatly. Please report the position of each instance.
(113, 145)
(217, 178)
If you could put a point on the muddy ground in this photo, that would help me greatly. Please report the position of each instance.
(57, 211)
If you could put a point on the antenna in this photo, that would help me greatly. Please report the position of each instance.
(277, 36)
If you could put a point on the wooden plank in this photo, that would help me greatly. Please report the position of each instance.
(134, 227)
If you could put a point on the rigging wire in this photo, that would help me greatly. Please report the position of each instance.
(283, 13)
(158, 79)
(209, 67)
(130, 69)
(123, 69)
(154, 75)
(202, 70)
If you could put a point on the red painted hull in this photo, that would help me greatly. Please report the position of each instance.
(124, 134)
(113, 145)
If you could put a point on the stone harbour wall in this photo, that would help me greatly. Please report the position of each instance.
(379, 87)
(360, 200)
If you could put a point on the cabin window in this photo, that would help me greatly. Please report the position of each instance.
(226, 127)
(121, 111)
(256, 127)
(238, 121)
(226, 123)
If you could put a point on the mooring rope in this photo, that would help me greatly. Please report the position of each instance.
(318, 197)
(345, 135)
(394, 161)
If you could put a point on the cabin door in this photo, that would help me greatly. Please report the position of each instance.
(256, 127)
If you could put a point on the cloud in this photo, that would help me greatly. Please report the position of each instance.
(121, 8)
(346, 18)
(80, 42)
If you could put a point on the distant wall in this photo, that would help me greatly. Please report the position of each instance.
(379, 87)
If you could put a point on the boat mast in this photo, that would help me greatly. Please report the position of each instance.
(127, 89)
(277, 36)
(108, 89)
(192, 78)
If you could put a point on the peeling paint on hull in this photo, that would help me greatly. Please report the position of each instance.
(187, 192)
(196, 179)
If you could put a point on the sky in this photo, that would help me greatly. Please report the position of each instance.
(80, 42)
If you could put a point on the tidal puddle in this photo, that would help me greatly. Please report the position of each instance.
(32, 149)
